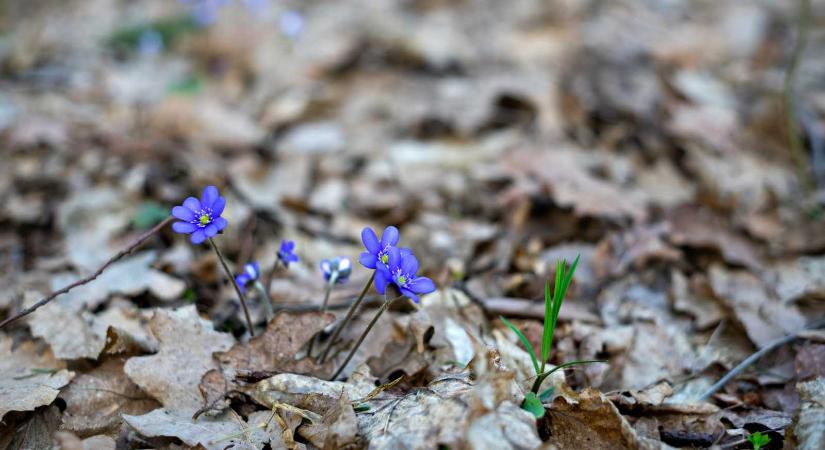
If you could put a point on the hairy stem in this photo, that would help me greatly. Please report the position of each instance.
(358, 343)
(235, 285)
(794, 140)
(128, 250)
(347, 319)
(270, 276)
(266, 300)
(333, 277)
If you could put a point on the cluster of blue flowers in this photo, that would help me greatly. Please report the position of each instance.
(392, 264)
(201, 219)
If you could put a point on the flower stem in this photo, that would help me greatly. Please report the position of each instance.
(378, 314)
(333, 277)
(235, 285)
(266, 300)
(347, 319)
(270, 275)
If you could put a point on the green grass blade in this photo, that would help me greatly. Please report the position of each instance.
(547, 331)
(523, 341)
(573, 363)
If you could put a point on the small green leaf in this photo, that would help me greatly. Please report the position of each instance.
(759, 440)
(149, 214)
(362, 407)
(523, 341)
(544, 396)
(533, 405)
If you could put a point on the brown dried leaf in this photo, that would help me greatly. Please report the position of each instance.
(96, 399)
(764, 317)
(213, 433)
(592, 422)
(274, 350)
(186, 345)
(24, 390)
(35, 433)
(809, 430)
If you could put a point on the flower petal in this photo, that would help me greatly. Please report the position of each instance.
(326, 267)
(220, 223)
(193, 204)
(183, 227)
(198, 236)
(211, 230)
(410, 294)
(421, 285)
(380, 282)
(409, 264)
(404, 252)
(210, 194)
(390, 236)
(183, 213)
(368, 260)
(217, 207)
(370, 240)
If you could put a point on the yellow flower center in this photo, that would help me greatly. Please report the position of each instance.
(402, 279)
(204, 219)
(385, 258)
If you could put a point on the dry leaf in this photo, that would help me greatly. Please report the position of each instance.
(22, 386)
(95, 400)
(186, 345)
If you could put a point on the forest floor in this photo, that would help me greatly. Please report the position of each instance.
(649, 137)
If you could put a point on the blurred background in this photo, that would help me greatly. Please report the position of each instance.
(676, 145)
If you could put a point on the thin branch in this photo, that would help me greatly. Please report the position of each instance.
(128, 250)
(755, 357)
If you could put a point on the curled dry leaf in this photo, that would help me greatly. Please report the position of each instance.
(590, 421)
(28, 378)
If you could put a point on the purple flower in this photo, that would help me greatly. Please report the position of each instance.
(340, 265)
(202, 219)
(251, 272)
(286, 253)
(377, 251)
(401, 270)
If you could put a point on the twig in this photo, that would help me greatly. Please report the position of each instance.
(755, 357)
(235, 285)
(128, 250)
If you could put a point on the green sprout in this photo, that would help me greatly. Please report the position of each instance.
(759, 440)
(552, 305)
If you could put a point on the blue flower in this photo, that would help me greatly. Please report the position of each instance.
(377, 251)
(401, 271)
(339, 264)
(202, 219)
(251, 272)
(286, 253)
